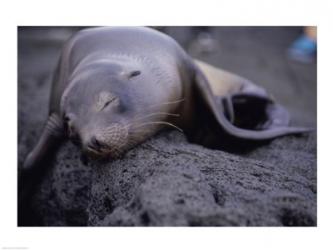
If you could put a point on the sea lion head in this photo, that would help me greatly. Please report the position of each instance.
(101, 108)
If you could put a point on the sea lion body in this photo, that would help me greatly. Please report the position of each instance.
(134, 48)
(116, 87)
(104, 57)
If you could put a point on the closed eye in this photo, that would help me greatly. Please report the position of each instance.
(105, 99)
(134, 73)
(109, 102)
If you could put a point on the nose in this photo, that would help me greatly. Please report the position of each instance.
(96, 144)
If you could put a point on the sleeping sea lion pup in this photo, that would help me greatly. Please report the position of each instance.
(116, 87)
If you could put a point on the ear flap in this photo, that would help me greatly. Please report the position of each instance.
(245, 107)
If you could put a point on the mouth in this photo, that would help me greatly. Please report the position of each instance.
(91, 151)
(96, 153)
(105, 153)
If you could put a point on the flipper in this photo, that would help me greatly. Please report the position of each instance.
(224, 83)
(33, 167)
(255, 115)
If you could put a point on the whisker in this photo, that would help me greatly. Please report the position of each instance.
(165, 103)
(156, 113)
(163, 123)
(152, 114)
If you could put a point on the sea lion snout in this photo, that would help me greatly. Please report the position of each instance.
(97, 145)
(107, 142)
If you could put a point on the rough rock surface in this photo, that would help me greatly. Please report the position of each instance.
(166, 181)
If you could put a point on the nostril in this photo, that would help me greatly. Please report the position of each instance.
(94, 141)
(96, 144)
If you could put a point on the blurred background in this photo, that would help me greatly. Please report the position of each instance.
(264, 55)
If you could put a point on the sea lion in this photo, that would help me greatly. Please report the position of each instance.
(116, 87)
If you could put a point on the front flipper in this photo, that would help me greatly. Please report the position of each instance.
(52, 132)
(246, 130)
(33, 167)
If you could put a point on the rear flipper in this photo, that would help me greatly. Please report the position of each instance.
(248, 114)
(33, 167)
(254, 112)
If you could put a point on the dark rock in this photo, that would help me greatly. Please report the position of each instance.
(168, 181)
